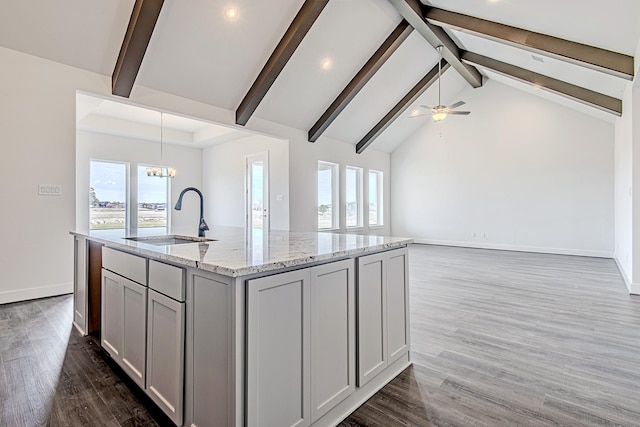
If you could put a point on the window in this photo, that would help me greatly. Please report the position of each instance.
(327, 195)
(353, 193)
(107, 195)
(376, 206)
(111, 204)
(152, 201)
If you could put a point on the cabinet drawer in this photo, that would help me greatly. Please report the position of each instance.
(167, 279)
(127, 265)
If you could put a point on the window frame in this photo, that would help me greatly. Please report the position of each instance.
(379, 180)
(359, 198)
(132, 193)
(335, 195)
(127, 195)
(136, 195)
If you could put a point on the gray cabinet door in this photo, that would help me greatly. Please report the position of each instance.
(134, 334)
(165, 354)
(278, 345)
(332, 335)
(209, 364)
(372, 316)
(80, 300)
(397, 304)
(111, 314)
(383, 311)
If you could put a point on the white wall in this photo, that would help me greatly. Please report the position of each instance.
(520, 172)
(224, 180)
(100, 146)
(624, 189)
(627, 184)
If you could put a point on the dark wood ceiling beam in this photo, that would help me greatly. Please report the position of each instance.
(430, 78)
(299, 27)
(412, 11)
(603, 60)
(384, 52)
(141, 24)
(559, 87)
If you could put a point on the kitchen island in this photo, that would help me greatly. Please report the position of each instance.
(276, 329)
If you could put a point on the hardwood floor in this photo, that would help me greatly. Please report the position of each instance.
(514, 339)
(498, 338)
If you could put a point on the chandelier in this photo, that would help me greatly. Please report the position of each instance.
(161, 171)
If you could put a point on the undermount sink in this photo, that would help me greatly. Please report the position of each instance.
(169, 240)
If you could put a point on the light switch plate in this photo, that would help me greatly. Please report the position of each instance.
(49, 190)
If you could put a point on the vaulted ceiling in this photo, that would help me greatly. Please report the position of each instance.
(378, 55)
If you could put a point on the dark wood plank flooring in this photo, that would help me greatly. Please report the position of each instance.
(498, 338)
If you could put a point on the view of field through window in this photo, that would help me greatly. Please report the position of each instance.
(327, 197)
(109, 198)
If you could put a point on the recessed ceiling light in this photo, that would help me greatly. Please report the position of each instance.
(231, 13)
(326, 63)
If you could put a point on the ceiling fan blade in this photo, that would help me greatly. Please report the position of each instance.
(420, 115)
(427, 107)
(456, 105)
(460, 113)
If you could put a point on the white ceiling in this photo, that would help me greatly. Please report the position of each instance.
(117, 118)
(197, 54)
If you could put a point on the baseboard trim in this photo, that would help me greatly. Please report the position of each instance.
(633, 288)
(517, 248)
(35, 293)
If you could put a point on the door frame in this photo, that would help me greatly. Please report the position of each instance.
(249, 159)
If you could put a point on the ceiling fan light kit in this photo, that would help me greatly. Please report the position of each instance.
(440, 112)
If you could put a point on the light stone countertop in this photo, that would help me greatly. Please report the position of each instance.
(234, 254)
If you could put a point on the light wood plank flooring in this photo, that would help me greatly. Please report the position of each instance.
(514, 339)
(499, 339)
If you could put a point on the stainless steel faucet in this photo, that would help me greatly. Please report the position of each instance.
(203, 225)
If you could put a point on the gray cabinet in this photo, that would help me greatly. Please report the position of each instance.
(332, 335)
(278, 350)
(124, 308)
(112, 314)
(80, 282)
(124, 311)
(300, 344)
(165, 353)
(209, 386)
(397, 304)
(134, 336)
(383, 299)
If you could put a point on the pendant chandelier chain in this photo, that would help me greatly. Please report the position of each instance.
(439, 73)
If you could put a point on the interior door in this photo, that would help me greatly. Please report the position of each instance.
(257, 193)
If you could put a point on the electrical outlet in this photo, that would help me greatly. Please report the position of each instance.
(49, 190)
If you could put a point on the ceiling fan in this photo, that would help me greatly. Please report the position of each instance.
(440, 112)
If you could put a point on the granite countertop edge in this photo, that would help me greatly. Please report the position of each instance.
(232, 271)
